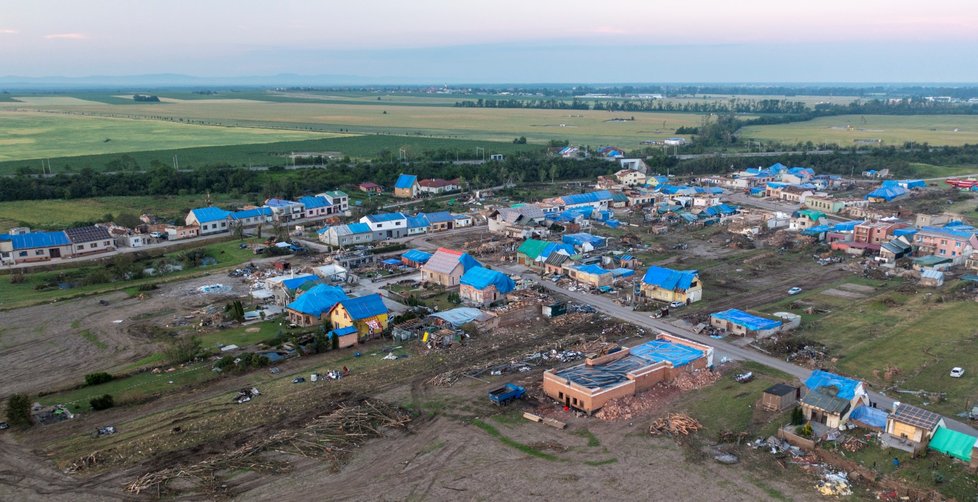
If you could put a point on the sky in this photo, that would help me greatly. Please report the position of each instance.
(498, 41)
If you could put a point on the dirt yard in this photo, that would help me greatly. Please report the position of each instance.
(53, 346)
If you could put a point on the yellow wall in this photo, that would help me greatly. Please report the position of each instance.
(899, 429)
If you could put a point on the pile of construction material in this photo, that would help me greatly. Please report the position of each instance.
(675, 425)
(692, 380)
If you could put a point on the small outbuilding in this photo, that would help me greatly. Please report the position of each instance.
(780, 396)
(738, 322)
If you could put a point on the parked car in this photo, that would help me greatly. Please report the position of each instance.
(677, 305)
(156, 235)
(794, 291)
(4, 426)
(298, 380)
(957, 372)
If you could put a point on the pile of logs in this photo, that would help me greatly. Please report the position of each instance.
(675, 425)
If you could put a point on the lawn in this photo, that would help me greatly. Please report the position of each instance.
(14, 295)
(136, 387)
(242, 336)
(56, 214)
(959, 483)
(847, 130)
(916, 333)
(33, 135)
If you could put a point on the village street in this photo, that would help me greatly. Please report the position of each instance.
(723, 349)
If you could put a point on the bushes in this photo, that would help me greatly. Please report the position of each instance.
(97, 378)
(103, 402)
(797, 416)
(806, 431)
(19, 410)
(183, 349)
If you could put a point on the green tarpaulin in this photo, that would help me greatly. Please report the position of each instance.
(953, 443)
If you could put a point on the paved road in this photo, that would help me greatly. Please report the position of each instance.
(722, 348)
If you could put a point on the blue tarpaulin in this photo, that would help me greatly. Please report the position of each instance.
(749, 321)
(872, 417)
(622, 272)
(667, 278)
(664, 350)
(481, 278)
(392, 261)
(416, 256)
(582, 238)
(846, 386)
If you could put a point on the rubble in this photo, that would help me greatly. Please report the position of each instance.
(675, 425)
(692, 380)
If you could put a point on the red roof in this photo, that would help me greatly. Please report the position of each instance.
(369, 184)
(450, 251)
(437, 183)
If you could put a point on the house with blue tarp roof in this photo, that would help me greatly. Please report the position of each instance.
(211, 220)
(351, 234)
(446, 267)
(417, 224)
(591, 385)
(310, 307)
(442, 220)
(368, 314)
(34, 246)
(591, 275)
(406, 186)
(887, 194)
(415, 258)
(954, 241)
(316, 206)
(251, 217)
(483, 286)
(584, 242)
(668, 285)
(597, 200)
(738, 322)
(831, 398)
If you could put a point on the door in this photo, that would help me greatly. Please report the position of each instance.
(54, 252)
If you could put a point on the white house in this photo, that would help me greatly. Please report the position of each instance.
(387, 225)
(211, 220)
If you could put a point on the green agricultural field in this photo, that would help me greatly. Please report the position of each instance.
(33, 135)
(593, 128)
(277, 154)
(849, 130)
(56, 214)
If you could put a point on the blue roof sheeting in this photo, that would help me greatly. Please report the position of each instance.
(459, 316)
(314, 202)
(482, 278)
(622, 272)
(663, 350)
(295, 282)
(364, 306)
(391, 261)
(439, 217)
(749, 321)
(818, 229)
(582, 238)
(406, 181)
(904, 231)
(418, 221)
(349, 330)
(251, 213)
(586, 198)
(591, 269)
(958, 231)
(416, 256)
(887, 193)
(873, 417)
(318, 299)
(846, 386)
(385, 217)
(847, 226)
(667, 278)
(39, 240)
(358, 228)
(209, 214)
(556, 247)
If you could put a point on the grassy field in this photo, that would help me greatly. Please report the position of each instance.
(13, 295)
(33, 135)
(921, 336)
(276, 154)
(848, 130)
(593, 128)
(56, 214)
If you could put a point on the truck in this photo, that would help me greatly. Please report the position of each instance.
(506, 393)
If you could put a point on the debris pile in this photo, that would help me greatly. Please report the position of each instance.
(675, 425)
(331, 436)
(692, 380)
(834, 484)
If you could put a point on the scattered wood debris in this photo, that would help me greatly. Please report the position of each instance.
(675, 425)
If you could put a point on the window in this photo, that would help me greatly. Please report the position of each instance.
(22, 253)
(560, 396)
(39, 252)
